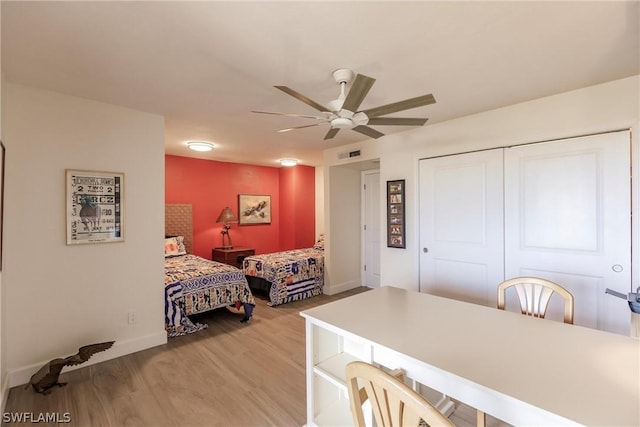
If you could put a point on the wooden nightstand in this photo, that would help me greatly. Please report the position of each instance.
(233, 256)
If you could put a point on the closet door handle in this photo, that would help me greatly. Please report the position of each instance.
(425, 250)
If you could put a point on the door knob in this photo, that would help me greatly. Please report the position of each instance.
(617, 268)
(425, 250)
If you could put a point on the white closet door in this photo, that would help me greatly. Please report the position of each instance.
(568, 219)
(461, 226)
(371, 229)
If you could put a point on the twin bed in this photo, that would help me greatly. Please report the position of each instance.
(287, 276)
(193, 284)
(196, 285)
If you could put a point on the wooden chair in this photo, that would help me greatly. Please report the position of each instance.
(534, 295)
(394, 404)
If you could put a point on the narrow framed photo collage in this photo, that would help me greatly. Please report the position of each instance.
(396, 228)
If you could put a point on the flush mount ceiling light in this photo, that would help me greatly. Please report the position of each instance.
(200, 146)
(288, 162)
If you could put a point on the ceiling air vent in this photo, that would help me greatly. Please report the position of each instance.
(350, 154)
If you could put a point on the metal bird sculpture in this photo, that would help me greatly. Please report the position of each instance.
(47, 377)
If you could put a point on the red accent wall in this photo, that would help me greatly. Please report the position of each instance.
(209, 186)
(297, 206)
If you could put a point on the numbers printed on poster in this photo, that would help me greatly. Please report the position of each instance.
(94, 211)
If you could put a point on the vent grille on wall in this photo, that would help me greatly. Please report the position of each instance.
(350, 154)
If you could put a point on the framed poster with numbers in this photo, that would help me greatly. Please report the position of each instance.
(95, 207)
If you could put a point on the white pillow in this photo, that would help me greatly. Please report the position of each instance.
(320, 243)
(174, 246)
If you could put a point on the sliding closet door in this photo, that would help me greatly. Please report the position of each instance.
(461, 226)
(568, 219)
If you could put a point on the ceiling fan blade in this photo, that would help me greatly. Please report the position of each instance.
(332, 132)
(366, 130)
(358, 91)
(302, 98)
(289, 115)
(400, 121)
(297, 127)
(400, 106)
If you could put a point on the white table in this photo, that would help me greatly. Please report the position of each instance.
(522, 370)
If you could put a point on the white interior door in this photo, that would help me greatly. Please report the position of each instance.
(568, 219)
(371, 229)
(461, 226)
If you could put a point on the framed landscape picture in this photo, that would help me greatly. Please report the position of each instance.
(396, 227)
(254, 209)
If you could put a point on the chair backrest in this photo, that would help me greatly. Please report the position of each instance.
(534, 295)
(394, 404)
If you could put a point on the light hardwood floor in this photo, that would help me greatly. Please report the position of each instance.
(231, 374)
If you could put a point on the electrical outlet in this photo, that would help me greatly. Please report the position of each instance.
(132, 317)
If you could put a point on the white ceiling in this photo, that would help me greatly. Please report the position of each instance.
(205, 65)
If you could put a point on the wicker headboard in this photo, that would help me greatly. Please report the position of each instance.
(178, 221)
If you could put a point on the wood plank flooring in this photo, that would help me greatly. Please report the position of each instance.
(231, 374)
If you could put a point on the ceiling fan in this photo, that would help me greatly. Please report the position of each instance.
(342, 113)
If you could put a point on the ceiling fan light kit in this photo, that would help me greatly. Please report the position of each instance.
(341, 123)
(342, 113)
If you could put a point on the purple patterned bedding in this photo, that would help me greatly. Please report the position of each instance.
(195, 285)
(294, 275)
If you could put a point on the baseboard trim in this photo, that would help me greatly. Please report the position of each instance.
(336, 289)
(4, 392)
(22, 375)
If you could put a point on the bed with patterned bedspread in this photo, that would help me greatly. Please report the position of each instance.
(195, 285)
(292, 275)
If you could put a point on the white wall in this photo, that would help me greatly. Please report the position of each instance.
(319, 188)
(3, 369)
(610, 106)
(343, 227)
(59, 297)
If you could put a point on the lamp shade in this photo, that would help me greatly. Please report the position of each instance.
(227, 215)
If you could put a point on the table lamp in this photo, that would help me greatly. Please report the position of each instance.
(226, 216)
